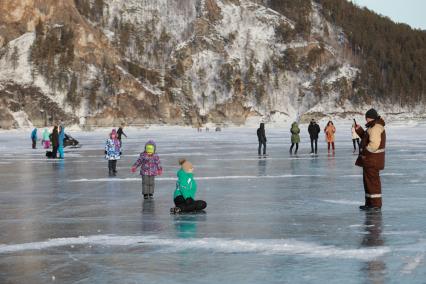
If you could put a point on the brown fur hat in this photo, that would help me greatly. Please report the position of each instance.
(186, 165)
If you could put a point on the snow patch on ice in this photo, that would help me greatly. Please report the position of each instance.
(343, 202)
(413, 264)
(216, 245)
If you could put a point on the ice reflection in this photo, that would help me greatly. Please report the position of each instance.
(374, 269)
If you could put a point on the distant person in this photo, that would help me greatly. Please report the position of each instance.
(314, 130)
(150, 165)
(61, 137)
(330, 130)
(46, 139)
(261, 137)
(120, 132)
(54, 138)
(355, 137)
(372, 158)
(295, 137)
(34, 138)
(186, 188)
(112, 152)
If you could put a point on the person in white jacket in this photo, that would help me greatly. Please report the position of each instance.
(355, 137)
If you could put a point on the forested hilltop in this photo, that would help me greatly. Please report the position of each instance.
(393, 65)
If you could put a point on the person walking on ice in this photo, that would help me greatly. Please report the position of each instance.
(314, 130)
(355, 137)
(55, 141)
(61, 136)
(372, 158)
(150, 165)
(34, 138)
(330, 130)
(261, 137)
(295, 137)
(46, 139)
(186, 188)
(120, 132)
(112, 152)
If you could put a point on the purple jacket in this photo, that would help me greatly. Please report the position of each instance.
(150, 164)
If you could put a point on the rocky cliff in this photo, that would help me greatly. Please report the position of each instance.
(105, 62)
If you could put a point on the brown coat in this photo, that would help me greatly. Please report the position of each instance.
(373, 144)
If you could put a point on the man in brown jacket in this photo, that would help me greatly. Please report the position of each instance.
(372, 158)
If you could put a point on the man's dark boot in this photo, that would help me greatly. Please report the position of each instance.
(369, 208)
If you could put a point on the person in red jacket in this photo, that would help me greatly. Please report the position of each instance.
(372, 158)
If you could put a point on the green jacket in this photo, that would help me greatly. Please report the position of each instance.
(295, 137)
(185, 185)
(46, 135)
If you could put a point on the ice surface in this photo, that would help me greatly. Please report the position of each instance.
(279, 219)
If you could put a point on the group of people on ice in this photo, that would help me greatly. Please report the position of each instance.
(371, 143)
(150, 167)
(314, 131)
(55, 139)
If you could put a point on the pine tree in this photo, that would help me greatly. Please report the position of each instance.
(14, 57)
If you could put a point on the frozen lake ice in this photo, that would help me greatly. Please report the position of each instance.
(280, 219)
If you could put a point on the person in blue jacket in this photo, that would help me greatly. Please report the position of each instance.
(61, 141)
(34, 137)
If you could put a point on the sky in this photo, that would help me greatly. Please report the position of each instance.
(411, 12)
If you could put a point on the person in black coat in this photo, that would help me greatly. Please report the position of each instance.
(314, 130)
(55, 141)
(120, 132)
(261, 136)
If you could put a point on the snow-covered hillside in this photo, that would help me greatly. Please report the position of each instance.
(175, 62)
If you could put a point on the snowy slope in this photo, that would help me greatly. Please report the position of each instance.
(187, 62)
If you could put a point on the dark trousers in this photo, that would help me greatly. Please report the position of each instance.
(355, 142)
(372, 187)
(112, 166)
(189, 204)
(314, 141)
(330, 144)
(292, 145)
(54, 151)
(260, 147)
(148, 183)
(34, 143)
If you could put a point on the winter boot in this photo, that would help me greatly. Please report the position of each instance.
(145, 196)
(175, 210)
(369, 208)
(151, 196)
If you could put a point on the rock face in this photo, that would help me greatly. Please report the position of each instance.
(105, 62)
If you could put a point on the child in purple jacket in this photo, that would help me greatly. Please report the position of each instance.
(150, 165)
